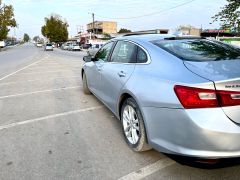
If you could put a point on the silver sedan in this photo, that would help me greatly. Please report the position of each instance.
(178, 95)
(48, 47)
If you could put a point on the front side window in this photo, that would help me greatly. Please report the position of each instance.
(199, 49)
(124, 52)
(104, 52)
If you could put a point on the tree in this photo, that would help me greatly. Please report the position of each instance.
(36, 38)
(123, 30)
(26, 37)
(7, 20)
(55, 29)
(229, 16)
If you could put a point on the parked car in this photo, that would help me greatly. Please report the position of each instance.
(76, 47)
(86, 46)
(62, 46)
(2, 44)
(94, 48)
(178, 95)
(48, 47)
(65, 46)
(39, 44)
(70, 47)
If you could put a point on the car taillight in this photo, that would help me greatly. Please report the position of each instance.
(191, 97)
(195, 97)
(229, 98)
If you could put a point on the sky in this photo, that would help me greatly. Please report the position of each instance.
(135, 15)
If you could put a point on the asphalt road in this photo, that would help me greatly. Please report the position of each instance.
(13, 58)
(50, 130)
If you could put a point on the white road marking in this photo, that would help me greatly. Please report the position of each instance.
(44, 72)
(33, 80)
(49, 117)
(148, 170)
(36, 92)
(21, 69)
(18, 70)
(54, 67)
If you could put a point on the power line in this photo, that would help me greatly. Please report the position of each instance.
(150, 14)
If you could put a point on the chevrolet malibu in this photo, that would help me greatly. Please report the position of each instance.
(178, 95)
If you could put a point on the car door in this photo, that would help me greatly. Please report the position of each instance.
(117, 71)
(95, 68)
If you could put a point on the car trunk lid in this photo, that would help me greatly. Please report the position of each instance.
(226, 76)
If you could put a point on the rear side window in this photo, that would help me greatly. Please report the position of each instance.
(124, 52)
(199, 49)
(141, 56)
(104, 52)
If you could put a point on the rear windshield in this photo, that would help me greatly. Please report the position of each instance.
(199, 49)
(49, 45)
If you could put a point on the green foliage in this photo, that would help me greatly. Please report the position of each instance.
(229, 16)
(36, 38)
(26, 37)
(55, 29)
(123, 30)
(6, 20)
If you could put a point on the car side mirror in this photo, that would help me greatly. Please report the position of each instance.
(87, 58)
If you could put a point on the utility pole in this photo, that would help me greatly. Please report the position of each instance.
(0, 5)
(93, 23)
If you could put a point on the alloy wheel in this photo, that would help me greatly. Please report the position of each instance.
(131, 124)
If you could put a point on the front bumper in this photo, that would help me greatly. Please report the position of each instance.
(204, 133)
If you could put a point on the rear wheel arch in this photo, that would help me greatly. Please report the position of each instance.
(122, 99)
(85, 87)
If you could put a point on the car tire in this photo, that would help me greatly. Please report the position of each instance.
(85, 85)
(136, 126)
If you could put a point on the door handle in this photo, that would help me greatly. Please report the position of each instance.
(121, 74)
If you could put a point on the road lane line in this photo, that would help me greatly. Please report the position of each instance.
(33, 80)
(49, 117)
(43, 72)
(148, 170)
(21, 69)
(36, 92)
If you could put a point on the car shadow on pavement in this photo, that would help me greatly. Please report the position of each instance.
(205, 163)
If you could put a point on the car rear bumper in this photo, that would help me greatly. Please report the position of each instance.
(204, 133)
(48, 49)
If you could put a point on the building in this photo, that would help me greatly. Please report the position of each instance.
(154, 31)
(218, 33)
(101, 27)
(189, 30)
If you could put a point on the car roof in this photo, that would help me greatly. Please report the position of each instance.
(153, 37)
(146, 37)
